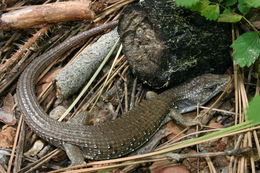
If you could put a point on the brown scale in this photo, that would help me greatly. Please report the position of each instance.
(106, 140)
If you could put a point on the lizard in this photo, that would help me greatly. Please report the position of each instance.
(115, 138)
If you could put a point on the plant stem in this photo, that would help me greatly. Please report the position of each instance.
(250, 24)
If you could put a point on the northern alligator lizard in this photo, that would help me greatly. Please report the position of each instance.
(115, 138)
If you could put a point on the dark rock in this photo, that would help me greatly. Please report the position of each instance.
(166, 45)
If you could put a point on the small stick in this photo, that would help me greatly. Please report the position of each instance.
(41, 161)
(14, 145)
(132, 102)
(238, 152)
(6, 66)
(47, 13)
(218, 110)
(126, 94)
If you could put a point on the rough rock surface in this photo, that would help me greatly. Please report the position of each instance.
(166, 44)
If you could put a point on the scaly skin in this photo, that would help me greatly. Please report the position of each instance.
(115, 138)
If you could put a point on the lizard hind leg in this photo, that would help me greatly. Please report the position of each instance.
(74, 154)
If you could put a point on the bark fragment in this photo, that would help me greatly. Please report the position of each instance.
(47, 13)
(71, 78)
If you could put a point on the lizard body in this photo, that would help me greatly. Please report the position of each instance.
(115, 138)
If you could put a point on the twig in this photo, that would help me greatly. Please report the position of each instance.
(126, 94)
(253, 27)
(210, 164)
(156, 153)
(108, 75)
(218, 110)
(19, 149)
(47, 13)
(132, 101)
(41, 161)
(6, 66)
(109, 11)
(14, 145)
(116, 72)
(240, 137)
(2, 170)
(257, 143)
(159, 158)
(88, 84)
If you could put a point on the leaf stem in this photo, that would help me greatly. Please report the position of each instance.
(254, 28)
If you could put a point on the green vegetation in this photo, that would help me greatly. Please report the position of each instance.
(253, 111)
(247, 46)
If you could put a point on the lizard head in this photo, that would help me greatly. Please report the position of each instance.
(200, 90)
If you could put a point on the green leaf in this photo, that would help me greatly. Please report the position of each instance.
(200, 5)
(230, 3)
(243, 6)
(253, 3)
(227, 11)
(253, 111)
(230, 18)
(186, 3)
(211, 12)
(246, 48)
